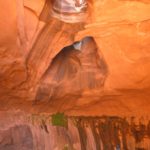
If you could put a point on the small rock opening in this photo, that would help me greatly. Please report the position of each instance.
(70, 11)
(74, 69)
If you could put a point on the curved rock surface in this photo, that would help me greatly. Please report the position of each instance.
(41, 71)
(96, 72)
(31, 39)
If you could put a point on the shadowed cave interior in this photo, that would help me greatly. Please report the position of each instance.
(75, 68)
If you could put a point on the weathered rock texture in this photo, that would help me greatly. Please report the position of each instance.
(33, 42)
(41, 71)
(36, 132)
(73, 71)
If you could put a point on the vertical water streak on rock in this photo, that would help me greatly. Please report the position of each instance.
(104, 130)
(82, 133)
(139, 133)
(94, 128)
(114, 132)
(74, 134)
(91, 145)
(124, 131)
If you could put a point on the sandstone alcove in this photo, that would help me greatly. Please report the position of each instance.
(74, 74)
(74, 69)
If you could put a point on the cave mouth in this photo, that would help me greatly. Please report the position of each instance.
(76, 68)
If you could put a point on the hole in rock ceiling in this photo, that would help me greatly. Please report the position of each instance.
(74, 69)
(70, 11)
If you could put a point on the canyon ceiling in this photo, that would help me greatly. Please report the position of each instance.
(41, 70)
(30, 40)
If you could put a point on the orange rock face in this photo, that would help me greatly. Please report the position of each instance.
(97, 69)
(32, 56)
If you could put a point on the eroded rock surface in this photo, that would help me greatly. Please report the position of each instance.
(72, 71)
(16, 138)
(103, 88)
(37, 132)
(31, 39)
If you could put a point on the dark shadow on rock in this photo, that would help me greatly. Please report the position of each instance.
(16, 138)
(73, 71)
